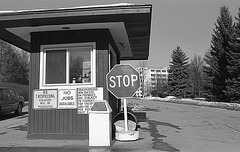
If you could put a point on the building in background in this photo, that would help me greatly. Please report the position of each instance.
(150, 78)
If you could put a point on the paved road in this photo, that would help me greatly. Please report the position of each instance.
(170, 127)
(188, 128)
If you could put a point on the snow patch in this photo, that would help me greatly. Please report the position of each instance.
(224, 105)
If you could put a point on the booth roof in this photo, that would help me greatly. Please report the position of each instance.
(129, 24)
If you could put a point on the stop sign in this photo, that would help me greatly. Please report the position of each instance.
(123, 81)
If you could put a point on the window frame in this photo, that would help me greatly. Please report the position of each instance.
(52, 47)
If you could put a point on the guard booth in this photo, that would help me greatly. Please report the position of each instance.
(71, 51)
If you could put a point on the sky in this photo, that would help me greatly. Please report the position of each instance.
(185, 23)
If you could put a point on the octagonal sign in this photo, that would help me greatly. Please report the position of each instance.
(123, 81)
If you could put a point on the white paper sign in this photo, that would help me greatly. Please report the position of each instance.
(67, 99)
(86, 98)
(44, 99)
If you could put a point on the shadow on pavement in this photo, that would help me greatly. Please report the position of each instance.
(63, 149)
(20, 127)
(2, 133)
(12, 115)
(158, 142)
(152, 109)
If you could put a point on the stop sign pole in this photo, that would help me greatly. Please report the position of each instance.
(125, 114)
(123, 81)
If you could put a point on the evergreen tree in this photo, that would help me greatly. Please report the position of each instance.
(178, 78)
(233, 83)
(216, 71)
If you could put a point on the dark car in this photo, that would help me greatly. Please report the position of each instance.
(10, 101)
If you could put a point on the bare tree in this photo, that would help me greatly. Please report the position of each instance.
(196, 70)
(143, 63)
(142, 70)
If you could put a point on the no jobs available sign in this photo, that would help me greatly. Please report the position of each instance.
(67, 99)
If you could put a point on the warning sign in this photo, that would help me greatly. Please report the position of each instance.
(44, 99)
(86, 98)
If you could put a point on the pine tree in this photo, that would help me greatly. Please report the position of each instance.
(216, 62)
(178, 78)
(233, 83)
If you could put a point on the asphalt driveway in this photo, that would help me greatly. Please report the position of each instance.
(169, 127)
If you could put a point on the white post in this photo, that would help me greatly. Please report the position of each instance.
(125, 114)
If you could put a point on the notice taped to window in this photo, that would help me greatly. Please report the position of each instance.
(44, 99)
(86, 98)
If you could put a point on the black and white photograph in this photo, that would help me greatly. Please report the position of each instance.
(119, 75)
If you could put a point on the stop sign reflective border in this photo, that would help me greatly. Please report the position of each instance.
(123, 81)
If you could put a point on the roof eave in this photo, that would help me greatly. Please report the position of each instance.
(28, 18)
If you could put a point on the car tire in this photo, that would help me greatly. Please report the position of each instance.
(18, 112)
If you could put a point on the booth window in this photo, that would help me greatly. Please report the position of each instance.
(68, 65)
(55, 66)
(80, 65)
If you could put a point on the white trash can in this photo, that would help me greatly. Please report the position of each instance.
(100, 124)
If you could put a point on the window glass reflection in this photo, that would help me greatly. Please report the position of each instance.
(80, 65)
